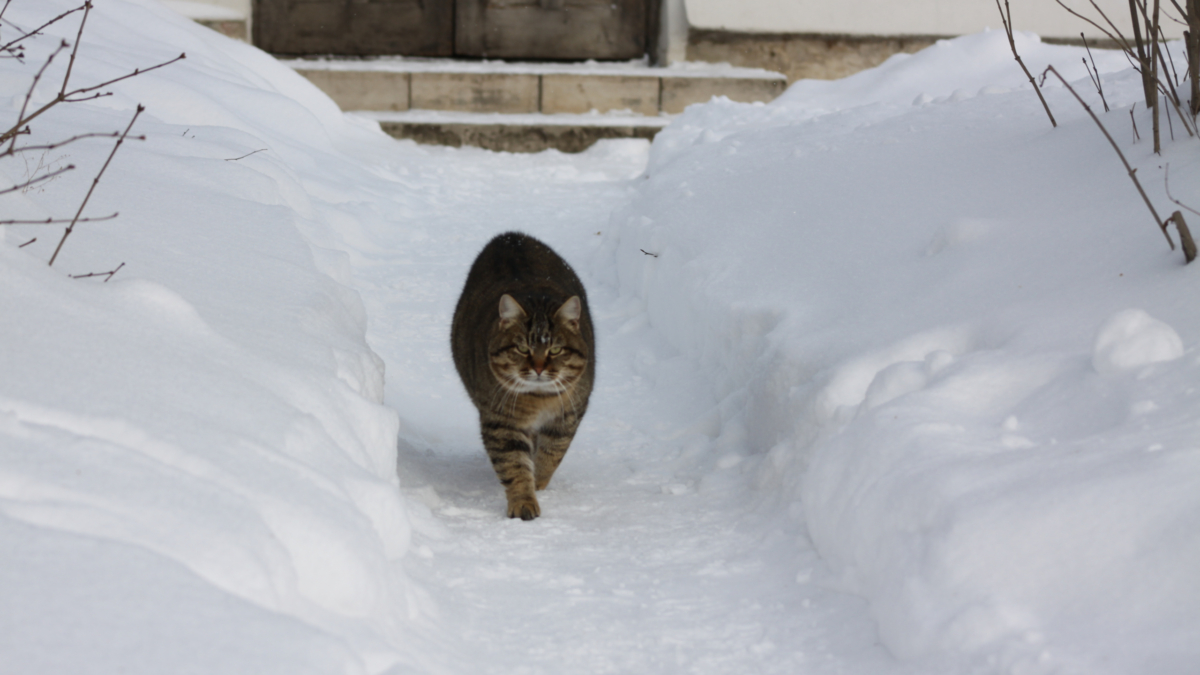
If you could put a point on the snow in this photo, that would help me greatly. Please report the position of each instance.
(893, 378)
(1132, 338)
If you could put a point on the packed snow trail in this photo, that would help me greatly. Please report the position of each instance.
(639, 563)
(824, 319)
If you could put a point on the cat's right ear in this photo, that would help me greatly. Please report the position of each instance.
(570, 312)
(510, 311)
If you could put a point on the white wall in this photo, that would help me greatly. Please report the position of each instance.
(903, 17)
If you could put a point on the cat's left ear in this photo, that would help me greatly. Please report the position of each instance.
(568, 315)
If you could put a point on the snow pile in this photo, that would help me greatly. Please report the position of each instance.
(196, 471)
(1131, 339)
(891, 338)
(964, 354)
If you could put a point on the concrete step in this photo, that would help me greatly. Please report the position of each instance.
(532, 132)
(401, 84)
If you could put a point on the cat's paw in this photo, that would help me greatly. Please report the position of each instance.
(524, 508)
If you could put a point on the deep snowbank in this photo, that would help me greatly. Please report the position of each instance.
(964, 349)
(196, 471)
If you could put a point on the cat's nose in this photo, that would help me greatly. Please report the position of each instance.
(539, 364)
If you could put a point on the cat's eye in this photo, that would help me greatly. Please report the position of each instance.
(555, 350)
(523, 349)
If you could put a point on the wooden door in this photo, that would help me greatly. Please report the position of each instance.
(355, 27)
(551, 29)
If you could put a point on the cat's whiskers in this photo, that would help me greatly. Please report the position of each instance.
(570, 398)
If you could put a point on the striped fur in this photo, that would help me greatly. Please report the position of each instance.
(523, 345)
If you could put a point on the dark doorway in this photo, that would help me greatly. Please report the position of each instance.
(509, 29)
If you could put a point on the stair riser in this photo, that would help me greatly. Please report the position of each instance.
(513, 138)
(531, 93)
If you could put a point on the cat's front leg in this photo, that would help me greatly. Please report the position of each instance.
(511, 452)
(552, 446)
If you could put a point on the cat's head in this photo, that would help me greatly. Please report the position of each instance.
(540, 350)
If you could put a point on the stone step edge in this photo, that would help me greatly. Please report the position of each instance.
(418, 116)
(409, 64)
(513, 133)
(550, 93)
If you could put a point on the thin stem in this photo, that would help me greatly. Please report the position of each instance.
(1132, 171)
(1096, 79)
(87, 8)
(1115, 35)
(21, 119)
(37, 30)
(1006, 19)
(1152, 36)
(99, 274)
(59, 144)
(254, 152)
(39, 179)
(58, 221)
(66, 98)
(1167, 185)
(95, 182)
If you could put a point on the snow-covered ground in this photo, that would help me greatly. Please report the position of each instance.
(893, 378)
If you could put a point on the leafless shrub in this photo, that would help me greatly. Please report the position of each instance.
(11, 134)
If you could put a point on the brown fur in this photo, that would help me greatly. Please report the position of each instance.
(523, 345)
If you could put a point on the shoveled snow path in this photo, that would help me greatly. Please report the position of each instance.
(653, 553)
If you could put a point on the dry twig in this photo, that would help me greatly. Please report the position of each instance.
(95, 182)
(59, 221)
(1185, 235)
(1132, 171)
(108, 274)
(255, 152)
(1095, 78)
(1006, 19)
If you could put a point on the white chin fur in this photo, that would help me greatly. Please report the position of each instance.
(527, 386)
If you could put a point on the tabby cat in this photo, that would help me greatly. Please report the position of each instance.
(523, 346)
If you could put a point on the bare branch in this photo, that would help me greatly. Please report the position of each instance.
(1152, 38)
(1132, 171)
(59, 144)
(87, 8)
(1185, 236)
(1115, 35)
(234, 159)
(1167, 185)
(99, 274)
(1006, 18)
(66, 98)
(21, 119)
(95, 182)
(38, 179)
(28, 243)
(135, 73)
(1095, 79)
(58, 221)
(39, 29)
